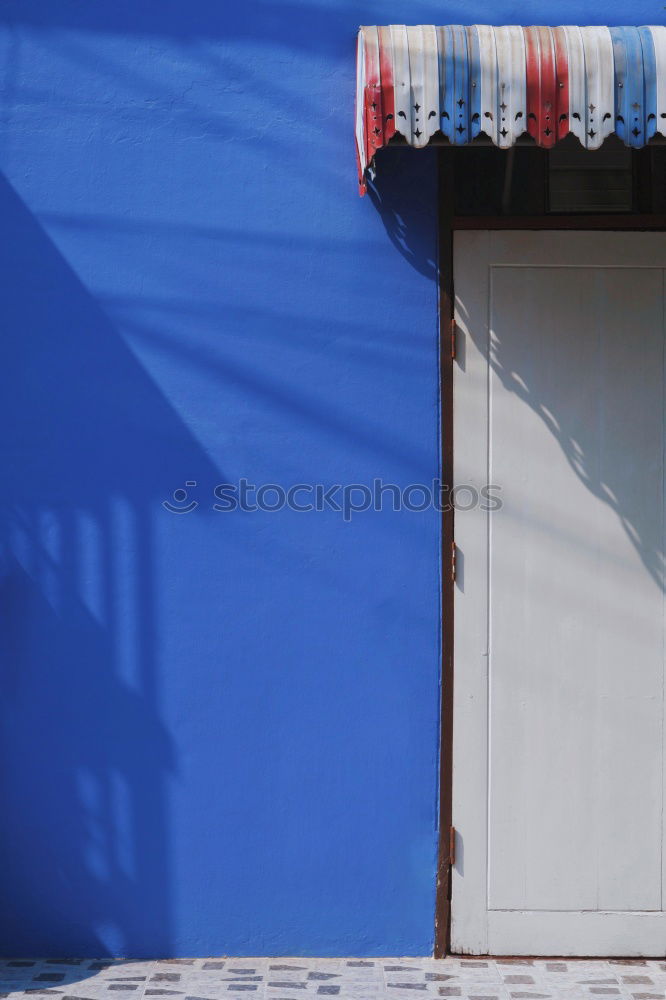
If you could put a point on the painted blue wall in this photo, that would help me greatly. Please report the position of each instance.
(218, 731)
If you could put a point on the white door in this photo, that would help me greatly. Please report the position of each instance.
(558, 785)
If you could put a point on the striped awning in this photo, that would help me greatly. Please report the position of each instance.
(459, 82)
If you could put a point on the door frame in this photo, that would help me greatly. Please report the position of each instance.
(448, 223)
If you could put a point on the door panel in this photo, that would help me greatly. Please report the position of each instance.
(559, 634)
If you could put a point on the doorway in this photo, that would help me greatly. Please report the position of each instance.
(559, 392)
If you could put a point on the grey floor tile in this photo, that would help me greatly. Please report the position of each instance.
(399, 978)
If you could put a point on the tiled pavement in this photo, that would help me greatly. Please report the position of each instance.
(347, 979)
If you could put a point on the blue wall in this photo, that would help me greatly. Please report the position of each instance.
(218, 731)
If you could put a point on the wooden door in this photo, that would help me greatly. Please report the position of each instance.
(558, 781)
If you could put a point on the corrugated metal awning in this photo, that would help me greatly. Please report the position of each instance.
(463, 81)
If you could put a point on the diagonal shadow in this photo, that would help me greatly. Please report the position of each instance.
(89, 445)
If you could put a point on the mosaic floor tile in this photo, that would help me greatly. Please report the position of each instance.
(261, 978)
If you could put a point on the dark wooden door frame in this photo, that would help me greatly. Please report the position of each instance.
(446, 340)
(448, 223)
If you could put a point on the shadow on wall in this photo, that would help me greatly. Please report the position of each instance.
(85, 758)
(86, 440)
(321, 24)
(87, 761)
(398, 197)
(402, 194)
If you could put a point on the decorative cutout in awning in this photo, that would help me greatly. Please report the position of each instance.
(459, 82)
